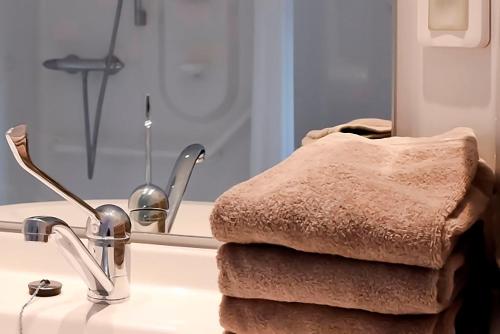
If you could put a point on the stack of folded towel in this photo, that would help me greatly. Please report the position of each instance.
(352, 235)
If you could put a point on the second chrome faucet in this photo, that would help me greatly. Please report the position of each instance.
(151, 208)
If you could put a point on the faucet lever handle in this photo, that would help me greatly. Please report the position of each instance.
(17, 138)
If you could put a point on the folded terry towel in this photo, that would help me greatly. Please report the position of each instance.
(390, 200)
(256, 316)
(282, 274)
(372, 128)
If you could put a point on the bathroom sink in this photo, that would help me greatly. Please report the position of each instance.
(192, 217)
(173, 290)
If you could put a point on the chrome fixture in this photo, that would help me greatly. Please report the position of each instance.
(151, 208)
(140, 15)
(73, 64)
(105, 265)
(108, 65)
(148, 203)
(179, 178)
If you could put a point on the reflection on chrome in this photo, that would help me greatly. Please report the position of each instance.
(152, 209)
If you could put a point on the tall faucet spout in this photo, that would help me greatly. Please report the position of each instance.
(179, 179)
(40, 228)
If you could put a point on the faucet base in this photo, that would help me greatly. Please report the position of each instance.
(118, 294)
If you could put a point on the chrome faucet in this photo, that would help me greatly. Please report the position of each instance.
(151, 208)
(179, 178)
(105, 265)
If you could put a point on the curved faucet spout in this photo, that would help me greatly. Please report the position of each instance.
(179, 178)
(40, 228)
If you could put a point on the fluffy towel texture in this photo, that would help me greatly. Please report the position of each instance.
(372, 128)
(390, 200)
(282, 274)
(255, 316)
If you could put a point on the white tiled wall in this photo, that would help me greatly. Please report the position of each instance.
(442, 88)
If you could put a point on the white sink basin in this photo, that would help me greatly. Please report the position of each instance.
(173, 290)
(192, 217)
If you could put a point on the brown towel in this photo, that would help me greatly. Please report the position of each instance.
(389, 200)
(282, 274)
(372, 128)
(256, 316)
